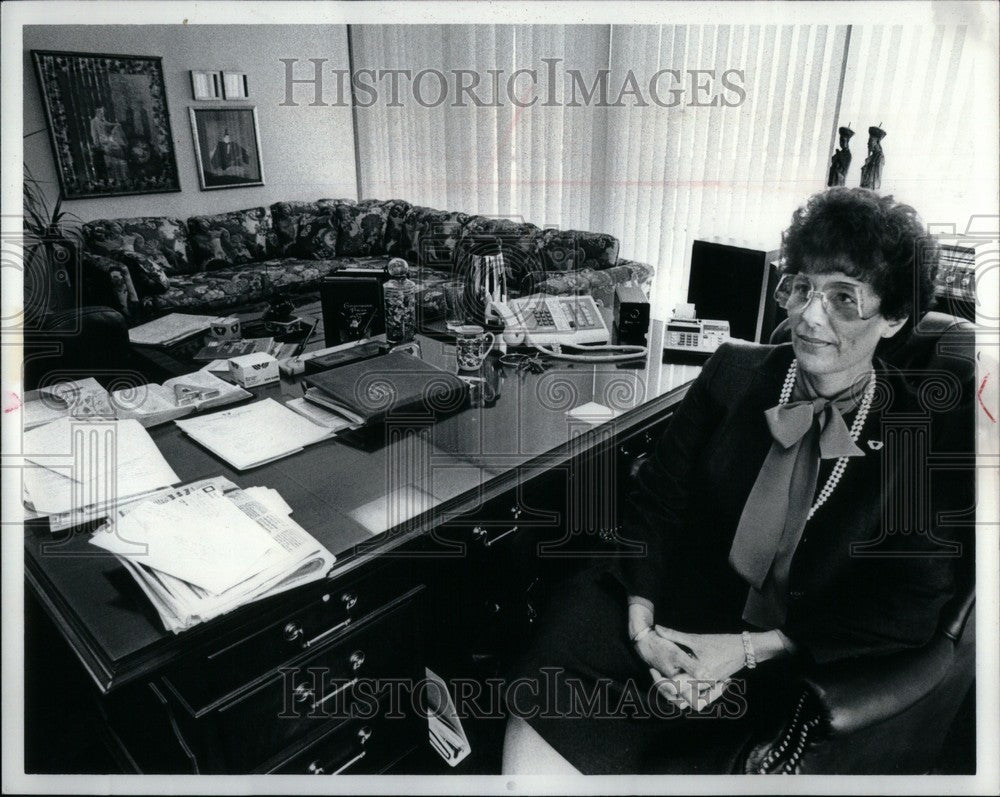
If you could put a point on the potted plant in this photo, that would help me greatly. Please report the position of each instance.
(51, 246)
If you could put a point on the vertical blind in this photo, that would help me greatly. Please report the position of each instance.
(659, 177)
(921, 85)
(727, 173)
(497, 159)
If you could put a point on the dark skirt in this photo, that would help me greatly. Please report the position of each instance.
(583, 688)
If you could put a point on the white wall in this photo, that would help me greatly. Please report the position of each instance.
(308, 152)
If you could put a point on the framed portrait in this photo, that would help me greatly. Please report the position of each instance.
(227, 147)
(108, 122)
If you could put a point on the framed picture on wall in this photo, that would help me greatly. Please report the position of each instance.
(206, 85)
(108, 123)
(227, 147)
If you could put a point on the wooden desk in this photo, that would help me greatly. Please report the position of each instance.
(463, 511)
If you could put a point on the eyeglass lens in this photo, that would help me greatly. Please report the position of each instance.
(841, 300)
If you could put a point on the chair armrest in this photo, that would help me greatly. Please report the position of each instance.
(108, 282)
(855, 694)
(81, 341)
(850, 698)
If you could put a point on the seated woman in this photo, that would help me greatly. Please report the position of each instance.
(762, 512)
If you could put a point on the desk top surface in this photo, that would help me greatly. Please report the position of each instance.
(362, 500)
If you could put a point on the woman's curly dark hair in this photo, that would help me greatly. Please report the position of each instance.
(870, 237)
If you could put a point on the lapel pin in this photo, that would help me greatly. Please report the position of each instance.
(875, 445)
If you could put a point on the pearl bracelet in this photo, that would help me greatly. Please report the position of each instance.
(748, 652)
(640, 634)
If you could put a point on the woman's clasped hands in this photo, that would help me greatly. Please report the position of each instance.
(691, 670)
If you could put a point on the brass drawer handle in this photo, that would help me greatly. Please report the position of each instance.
(483, 536)
(349, 599)
(315, 769)
(357, 659)
(329, 632)
(364, 734)
(292, 631)
(351, 763)
(348, 685)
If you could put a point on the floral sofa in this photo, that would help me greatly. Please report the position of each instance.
(152, 265)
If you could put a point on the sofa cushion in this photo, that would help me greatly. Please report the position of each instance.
(231, 239)
(161, 240)
(212, 289)
(331, 204)
(361, 229)
(432, 236)
(571, 250)
(394, 238)
(293, 274)
(304, 230)
(148, 272)
(599, 283)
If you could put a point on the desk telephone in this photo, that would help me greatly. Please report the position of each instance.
(548, 323)
(687, 334)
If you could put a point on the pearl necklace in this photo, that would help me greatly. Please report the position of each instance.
(859, 421)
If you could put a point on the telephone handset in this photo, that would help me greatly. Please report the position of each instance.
(550, 322)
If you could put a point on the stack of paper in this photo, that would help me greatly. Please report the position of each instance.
(79, 470)
(170, 329)
(253, 434)
(84, 398)
(207, 548)
(445, 732)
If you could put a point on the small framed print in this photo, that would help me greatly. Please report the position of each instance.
(235, 85)
(206, 85)
(227, 147)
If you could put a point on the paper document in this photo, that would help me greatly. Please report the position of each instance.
(89, 463)
(444, 727)
(206, 548)
(169, 329)
(202, 538)
(253, 434)
(320, 415)
(83, 399)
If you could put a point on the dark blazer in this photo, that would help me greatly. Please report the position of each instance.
(877, 561)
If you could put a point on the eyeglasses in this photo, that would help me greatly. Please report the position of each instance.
(841, 300)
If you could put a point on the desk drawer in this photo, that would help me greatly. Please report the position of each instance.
(341, 681)
(205, 682)
(356, 747)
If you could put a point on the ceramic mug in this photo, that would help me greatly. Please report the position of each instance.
(472, 345)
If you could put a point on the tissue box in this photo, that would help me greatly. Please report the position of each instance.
(251, 370)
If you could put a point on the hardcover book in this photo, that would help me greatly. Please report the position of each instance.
(394, 384)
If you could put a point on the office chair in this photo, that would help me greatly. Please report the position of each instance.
(76, 343)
